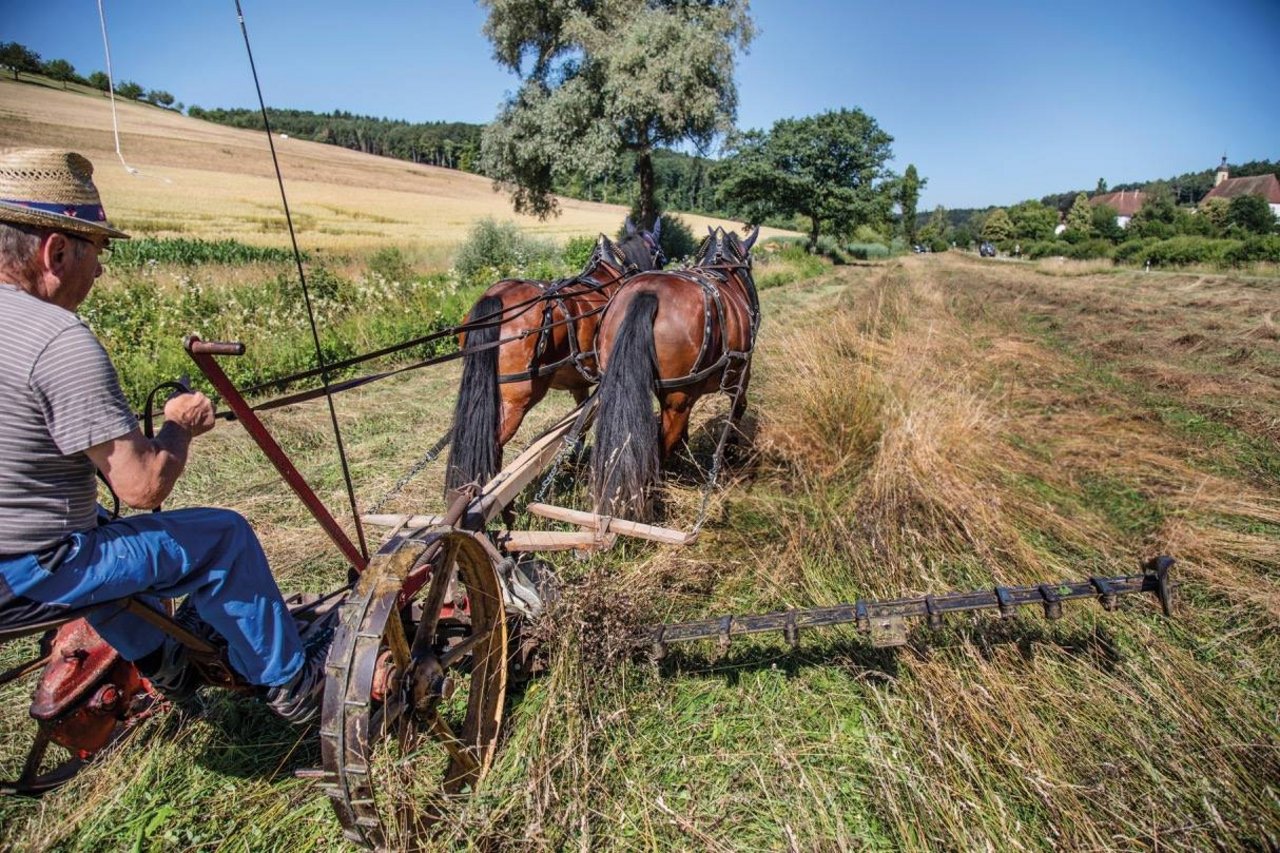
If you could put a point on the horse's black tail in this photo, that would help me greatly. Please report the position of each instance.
(473, 451)
(624, 463)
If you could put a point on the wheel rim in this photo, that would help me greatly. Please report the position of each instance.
(414, 694)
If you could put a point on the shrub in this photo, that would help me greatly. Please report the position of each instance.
(1134, 251)
(1045, 249)
(828, 247)
(1179, 251)
(677, 240)
(1087, 249)
(869, 251)
(495, 250)
(391, 264)
(1253, 250)
(782, 260)
(577, 251)
(866, 234)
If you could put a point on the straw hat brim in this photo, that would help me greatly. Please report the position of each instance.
(22, 215)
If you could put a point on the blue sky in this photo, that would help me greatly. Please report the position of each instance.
(994, 102)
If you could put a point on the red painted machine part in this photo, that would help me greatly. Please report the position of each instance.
(85, 691)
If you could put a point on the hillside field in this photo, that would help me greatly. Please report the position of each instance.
(199, 179)
(922, 424)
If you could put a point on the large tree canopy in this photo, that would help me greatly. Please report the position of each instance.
(606, 77)
(829, 168)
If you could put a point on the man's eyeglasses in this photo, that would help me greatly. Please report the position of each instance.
(104, 248)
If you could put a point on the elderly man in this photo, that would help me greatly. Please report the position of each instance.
(63, 415)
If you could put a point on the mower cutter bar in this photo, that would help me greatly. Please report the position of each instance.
(885, 621)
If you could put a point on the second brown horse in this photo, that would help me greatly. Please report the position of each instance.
(678, 334)
(527, 337)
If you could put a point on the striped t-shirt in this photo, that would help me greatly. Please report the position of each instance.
(59, 395)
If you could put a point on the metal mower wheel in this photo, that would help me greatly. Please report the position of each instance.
(414, 690)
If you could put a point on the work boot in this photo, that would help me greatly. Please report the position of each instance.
(169, 667)
(298, 699)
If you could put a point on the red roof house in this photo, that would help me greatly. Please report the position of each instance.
(1227, 187)
(1125, 203)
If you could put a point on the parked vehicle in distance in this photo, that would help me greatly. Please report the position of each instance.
(987, 249)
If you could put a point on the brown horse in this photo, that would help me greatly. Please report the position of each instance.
(678, 334)
(547, 332)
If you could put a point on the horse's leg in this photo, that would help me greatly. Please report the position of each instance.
(676, 407)
(740, 408)
(517, 399)
(580, 394)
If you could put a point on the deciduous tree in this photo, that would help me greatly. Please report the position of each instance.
(1215, 212)
(1079, 219)
(997, 227)
(1033, 221)
(60, 70)
(1103, 224)
(128, 90)
(908, 196)
(160, 98)
(828, 168)
(599, 79)
(100, 81)
(1251, 213)
(19, 58)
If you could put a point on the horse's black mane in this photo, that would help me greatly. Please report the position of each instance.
(630, 252)
(606, 249)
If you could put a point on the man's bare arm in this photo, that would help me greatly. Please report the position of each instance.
(142, 470)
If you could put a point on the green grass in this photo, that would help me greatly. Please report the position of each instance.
(141, 251)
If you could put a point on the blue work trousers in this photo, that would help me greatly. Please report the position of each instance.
(210, 555)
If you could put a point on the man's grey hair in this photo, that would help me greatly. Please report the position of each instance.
(18, 245)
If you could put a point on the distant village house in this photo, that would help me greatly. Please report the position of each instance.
(1125, 203)
(1225, 186)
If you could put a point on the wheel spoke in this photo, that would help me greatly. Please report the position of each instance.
(441, 576)
(443, 732)
(397, 642)
(462, 649)
(395, 766)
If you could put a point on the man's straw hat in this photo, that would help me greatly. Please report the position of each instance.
(52, 189)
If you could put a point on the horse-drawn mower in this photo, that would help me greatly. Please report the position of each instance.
(432, 625)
